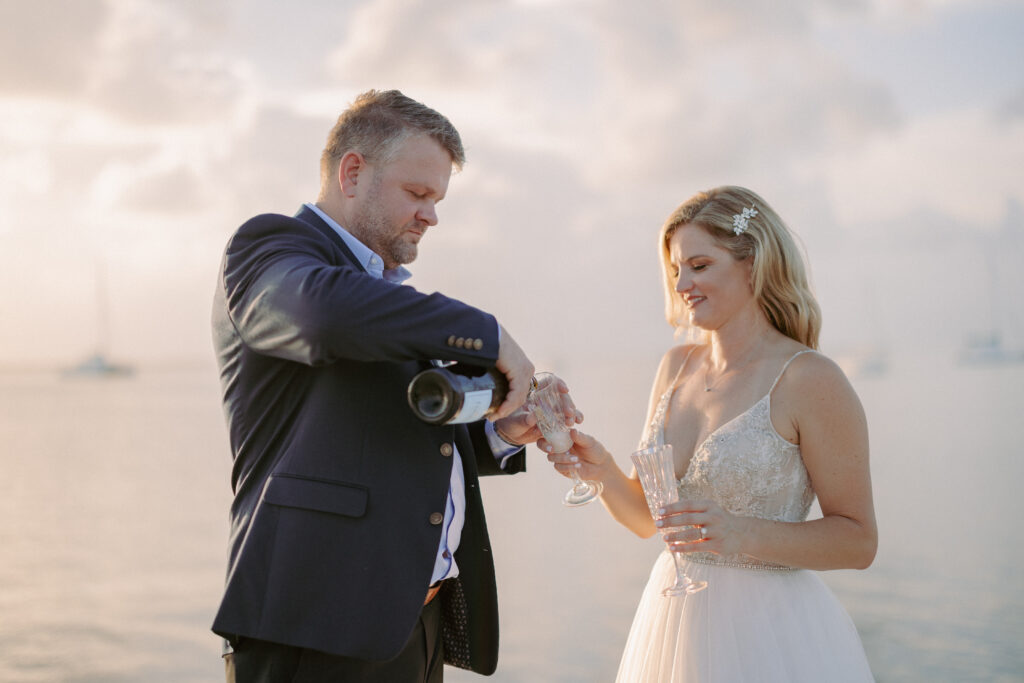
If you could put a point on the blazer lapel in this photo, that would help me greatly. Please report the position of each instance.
(307, 215)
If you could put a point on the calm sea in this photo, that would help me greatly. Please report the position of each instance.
(113, 525)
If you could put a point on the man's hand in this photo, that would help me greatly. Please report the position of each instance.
(520, 428)
(518, 370)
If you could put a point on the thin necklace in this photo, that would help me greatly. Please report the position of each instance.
(710, 387)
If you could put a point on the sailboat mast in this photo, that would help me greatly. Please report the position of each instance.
(102, 314)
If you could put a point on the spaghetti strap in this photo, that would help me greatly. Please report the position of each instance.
(682, 366)
(783, 370)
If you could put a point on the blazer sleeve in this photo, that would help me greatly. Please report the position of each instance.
(291, 293)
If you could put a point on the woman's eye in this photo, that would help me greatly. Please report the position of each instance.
(697, 267)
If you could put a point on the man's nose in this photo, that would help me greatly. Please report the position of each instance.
(427, 214)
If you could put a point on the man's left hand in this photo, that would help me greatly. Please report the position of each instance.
(520, 428)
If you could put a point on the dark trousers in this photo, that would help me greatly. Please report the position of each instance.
(420, 661)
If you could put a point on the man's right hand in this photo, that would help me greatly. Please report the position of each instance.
(518, 370)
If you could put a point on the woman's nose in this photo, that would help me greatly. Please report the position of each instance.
(683, 283)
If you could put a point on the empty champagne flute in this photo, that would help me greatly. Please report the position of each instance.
(547, 404)
(657, 471)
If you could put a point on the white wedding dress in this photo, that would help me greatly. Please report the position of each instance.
(755, 622)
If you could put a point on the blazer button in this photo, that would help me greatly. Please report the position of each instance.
(451, 340)
(436, 518)
(478, 344)
(446, 449)
(460, 342)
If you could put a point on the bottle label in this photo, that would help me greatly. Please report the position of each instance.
(474, 406)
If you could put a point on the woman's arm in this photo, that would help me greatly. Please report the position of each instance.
(622, 495)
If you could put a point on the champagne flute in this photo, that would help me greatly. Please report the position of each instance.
(547, 404)
(657, 471)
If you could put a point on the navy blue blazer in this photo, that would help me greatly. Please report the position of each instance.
(339, 488)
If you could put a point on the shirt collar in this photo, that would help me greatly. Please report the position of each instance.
(367, 258)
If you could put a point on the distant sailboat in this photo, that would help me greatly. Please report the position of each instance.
(988, 349)
(97, 364)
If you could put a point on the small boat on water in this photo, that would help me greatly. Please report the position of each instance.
(989, 350)
(97, 365)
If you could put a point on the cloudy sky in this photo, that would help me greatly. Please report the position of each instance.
(135, 135)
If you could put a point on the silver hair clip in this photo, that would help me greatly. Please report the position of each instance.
(741, 221)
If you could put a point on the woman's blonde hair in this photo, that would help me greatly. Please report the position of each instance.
(778, 276)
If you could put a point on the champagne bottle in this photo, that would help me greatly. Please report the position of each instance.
(456, 393)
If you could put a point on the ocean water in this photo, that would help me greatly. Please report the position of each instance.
(113, 529)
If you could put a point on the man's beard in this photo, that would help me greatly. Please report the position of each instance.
(374, 230)
(380, 236)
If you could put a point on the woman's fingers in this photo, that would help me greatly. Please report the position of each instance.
(687, 535)
(683, 519)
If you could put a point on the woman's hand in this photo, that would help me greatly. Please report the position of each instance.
(588, 457)
(702, 525)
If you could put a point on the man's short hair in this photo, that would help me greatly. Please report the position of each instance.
(377, 123)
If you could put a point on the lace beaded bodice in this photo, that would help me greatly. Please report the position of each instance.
(744, 466)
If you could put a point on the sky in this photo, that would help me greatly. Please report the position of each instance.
(136, 135)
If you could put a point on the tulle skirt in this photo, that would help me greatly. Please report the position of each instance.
(747, 626)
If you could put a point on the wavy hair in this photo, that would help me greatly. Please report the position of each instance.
(779, 274)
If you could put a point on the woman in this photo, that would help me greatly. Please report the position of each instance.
(760, 423)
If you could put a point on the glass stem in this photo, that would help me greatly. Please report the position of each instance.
(681, 578)
(678, 559)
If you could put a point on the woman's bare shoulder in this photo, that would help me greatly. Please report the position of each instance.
(815, 382)
(815, 368)
(670, 365)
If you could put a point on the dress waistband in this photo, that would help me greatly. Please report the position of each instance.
(738, 561)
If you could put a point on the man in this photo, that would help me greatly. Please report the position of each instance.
(356, 529)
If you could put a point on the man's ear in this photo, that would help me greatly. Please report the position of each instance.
(351, 166)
